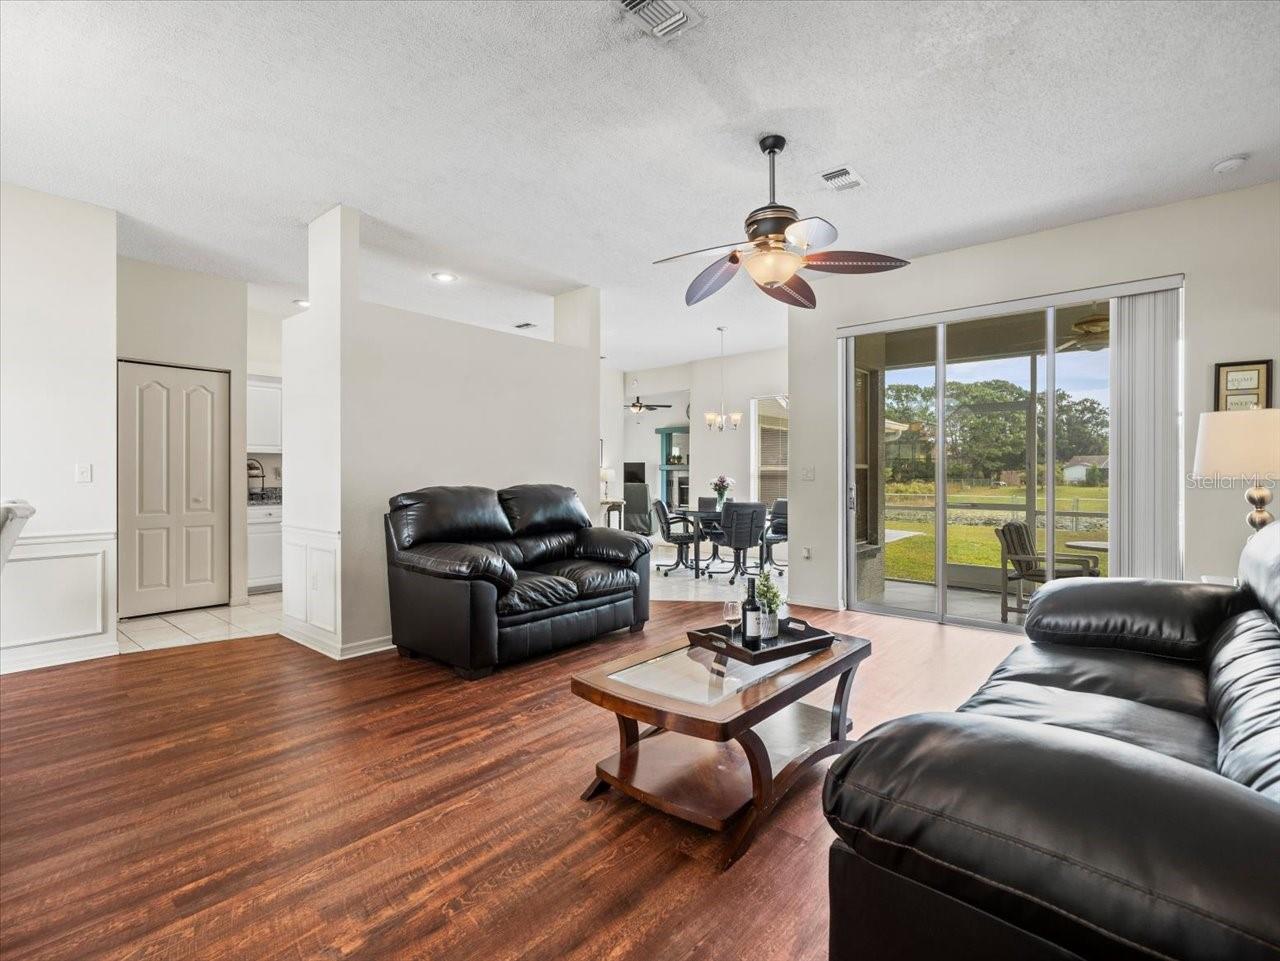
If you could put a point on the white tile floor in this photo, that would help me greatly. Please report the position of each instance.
(260, 616)
(679, 585)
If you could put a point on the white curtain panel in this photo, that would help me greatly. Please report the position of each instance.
(1146, 471)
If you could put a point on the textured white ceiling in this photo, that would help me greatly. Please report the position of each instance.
(534, 147)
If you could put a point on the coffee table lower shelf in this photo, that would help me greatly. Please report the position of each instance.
(715, 783)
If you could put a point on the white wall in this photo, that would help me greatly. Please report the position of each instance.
(57, 410)
(264, 338)
(1228, 247)
(166, 315)
(640, 443)
(496, 410)
(760, 373)
(612, 432)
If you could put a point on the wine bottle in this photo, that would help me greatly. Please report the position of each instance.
(751, 617)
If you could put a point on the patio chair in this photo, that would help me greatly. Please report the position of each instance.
(1020, 565)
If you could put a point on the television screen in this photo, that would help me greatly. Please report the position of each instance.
(633, 472)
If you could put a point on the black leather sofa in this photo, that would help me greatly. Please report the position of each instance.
(480, 578)
(1112, 791)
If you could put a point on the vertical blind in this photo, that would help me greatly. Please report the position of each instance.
(1146, 469)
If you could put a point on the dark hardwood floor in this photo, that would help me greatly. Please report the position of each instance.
(252, 799)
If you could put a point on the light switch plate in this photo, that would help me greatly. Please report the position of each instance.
(84, 473)
(807, 473)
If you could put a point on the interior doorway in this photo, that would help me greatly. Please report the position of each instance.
(173, 494)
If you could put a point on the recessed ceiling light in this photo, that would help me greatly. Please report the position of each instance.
(1230, 164)
(303, 303)
(444, 277)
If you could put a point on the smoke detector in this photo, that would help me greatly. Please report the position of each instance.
(841, 178)
(662, 19)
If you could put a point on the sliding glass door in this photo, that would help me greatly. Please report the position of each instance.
(977, 460)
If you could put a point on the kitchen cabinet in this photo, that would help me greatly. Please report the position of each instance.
(265, 545)
(262, 415)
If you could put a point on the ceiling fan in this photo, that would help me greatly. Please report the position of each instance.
(1092, 332)
(778, 246)
(638, 406)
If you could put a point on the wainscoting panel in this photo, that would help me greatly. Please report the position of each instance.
(58, 600)
(312, 576)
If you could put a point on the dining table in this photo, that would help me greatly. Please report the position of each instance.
(699, 518)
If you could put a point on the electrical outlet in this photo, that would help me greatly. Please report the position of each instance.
(84, 473)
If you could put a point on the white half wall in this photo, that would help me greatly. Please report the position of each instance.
(185, 318)
(428, 401)
(57, 411)
(1227, 246)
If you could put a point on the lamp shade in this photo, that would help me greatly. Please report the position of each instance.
(1238, 443)
(607, 474)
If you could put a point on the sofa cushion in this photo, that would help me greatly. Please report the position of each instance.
(448, 514)
(540, 508)
(1244, 698)
(1172, 733)
(533, 591)
(537, 549)
(1168, 618)
(593, 578)
(1157, 681)
(1259, 570)
(612, 546)
(465, 562)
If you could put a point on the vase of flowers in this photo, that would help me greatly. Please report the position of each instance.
(722, 485)
(770, 600)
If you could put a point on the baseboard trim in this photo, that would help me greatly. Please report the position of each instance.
(370, 645)
(29, 657)
(300, 632)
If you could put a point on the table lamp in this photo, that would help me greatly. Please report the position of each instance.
(606, 475)
(1241, 443)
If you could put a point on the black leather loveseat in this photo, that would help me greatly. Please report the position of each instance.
(1112, 791)
(479, 578)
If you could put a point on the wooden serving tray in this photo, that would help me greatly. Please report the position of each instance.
(786, 644)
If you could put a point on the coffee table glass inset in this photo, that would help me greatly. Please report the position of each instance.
(698, 702)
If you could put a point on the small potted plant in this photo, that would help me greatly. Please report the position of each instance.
(770, 600)
(722, 485)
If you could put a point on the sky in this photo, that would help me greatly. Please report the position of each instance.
(1081, 373)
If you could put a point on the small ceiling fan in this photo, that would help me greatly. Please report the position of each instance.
(1092, 332)
(638, 406)
(778, 246)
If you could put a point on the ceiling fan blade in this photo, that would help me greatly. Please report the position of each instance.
(712, 279)
(721, 248)
(852, 262)
(811, 233)
(657, 406)
(796, 292)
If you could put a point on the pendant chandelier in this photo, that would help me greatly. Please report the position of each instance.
(718, 419)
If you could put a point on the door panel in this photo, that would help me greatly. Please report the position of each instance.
(174, 488)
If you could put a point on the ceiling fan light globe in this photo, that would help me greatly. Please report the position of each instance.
(773, 266)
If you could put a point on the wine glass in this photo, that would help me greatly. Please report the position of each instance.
(732, 616)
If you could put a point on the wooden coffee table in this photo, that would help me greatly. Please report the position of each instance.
(696, 703)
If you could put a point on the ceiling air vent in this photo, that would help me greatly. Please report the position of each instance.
(663, 19)
(525, 325)
(842, 178)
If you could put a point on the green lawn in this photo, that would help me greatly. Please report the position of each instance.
(1070, 497)
(911, 559)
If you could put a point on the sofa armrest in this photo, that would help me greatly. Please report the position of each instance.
(1088, 842)
(611, 545)
(465, 562)
(1169, 618)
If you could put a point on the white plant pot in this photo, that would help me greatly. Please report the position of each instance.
(768, 626)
